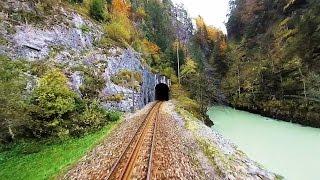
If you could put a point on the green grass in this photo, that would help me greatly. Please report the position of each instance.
(46, 160)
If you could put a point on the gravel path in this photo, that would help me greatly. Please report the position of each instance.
(177, 155)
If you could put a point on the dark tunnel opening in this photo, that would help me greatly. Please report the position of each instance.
(162, 92)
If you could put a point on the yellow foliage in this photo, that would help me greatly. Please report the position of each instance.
(141, 13)
(120, 29)
(213, 33)
(200, 23)
(116, 97)
(189, 68)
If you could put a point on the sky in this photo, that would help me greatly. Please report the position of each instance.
(214, 12)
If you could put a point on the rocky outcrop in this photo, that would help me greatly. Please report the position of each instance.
(72, 41)
(128, 59)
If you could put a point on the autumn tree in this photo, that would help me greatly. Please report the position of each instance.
(120, 7)
(53, 104)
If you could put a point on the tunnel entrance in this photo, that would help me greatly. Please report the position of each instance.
(162, 92)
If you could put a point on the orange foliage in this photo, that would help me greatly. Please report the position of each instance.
(152, 48)
(223, 46)
(120, 7)
(213, 33)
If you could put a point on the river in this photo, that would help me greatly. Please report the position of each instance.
(288, 149)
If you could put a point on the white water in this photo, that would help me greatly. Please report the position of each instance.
(290, 150)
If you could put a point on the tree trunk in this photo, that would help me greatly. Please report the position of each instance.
(239, 87)
(10, 129)
(178, 61)
(304, 84)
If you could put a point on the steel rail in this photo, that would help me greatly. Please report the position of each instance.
(149, 174)
(126, 171)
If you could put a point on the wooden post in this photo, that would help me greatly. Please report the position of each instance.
(178, 61)
(304, 84)
(132, 87)
(239, 87)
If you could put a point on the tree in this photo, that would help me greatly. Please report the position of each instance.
(53, 104)
(189, 69)
(97, 10)
(120, 7)
(12, 103)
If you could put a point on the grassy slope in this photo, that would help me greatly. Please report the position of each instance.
(48, 159)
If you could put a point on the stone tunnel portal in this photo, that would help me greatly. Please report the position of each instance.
(162, 92)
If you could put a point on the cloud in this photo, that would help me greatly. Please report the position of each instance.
(214, 12)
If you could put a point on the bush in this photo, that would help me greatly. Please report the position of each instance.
(116, 97)
(92, 84)
(76, 1)
(53, 104)
(113, 115)
(185, 101)
(125, 77)
(12, 102)
(97, 10)
(93, 117)
(120, 29)
(39, 68)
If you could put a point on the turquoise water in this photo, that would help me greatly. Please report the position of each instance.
(290, 150)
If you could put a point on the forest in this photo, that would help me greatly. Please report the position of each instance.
(273, 59)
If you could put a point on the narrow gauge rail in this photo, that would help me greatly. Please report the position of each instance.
(124, 167)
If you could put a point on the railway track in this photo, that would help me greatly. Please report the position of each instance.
(135, 162)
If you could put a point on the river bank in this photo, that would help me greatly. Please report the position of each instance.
(288, 114)
(284, 148)
(228, 160)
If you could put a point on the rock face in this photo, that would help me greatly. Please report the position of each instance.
(70, 40)
(128, 60)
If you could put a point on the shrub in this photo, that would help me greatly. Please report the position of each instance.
(116, 97)
(113, 115)
(185, 102)
(12, 103)
(76, 1)
(106, 43)
(53, 104)
(120, 29)
(92, 84)
(38, 68)
(3, 41)
(84, 28)
(124, 78)
(97, 10)
(93, 117)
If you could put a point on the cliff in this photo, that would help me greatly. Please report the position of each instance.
(62, 37)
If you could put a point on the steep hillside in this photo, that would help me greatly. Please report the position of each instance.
(273, 59)
(61, 51)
